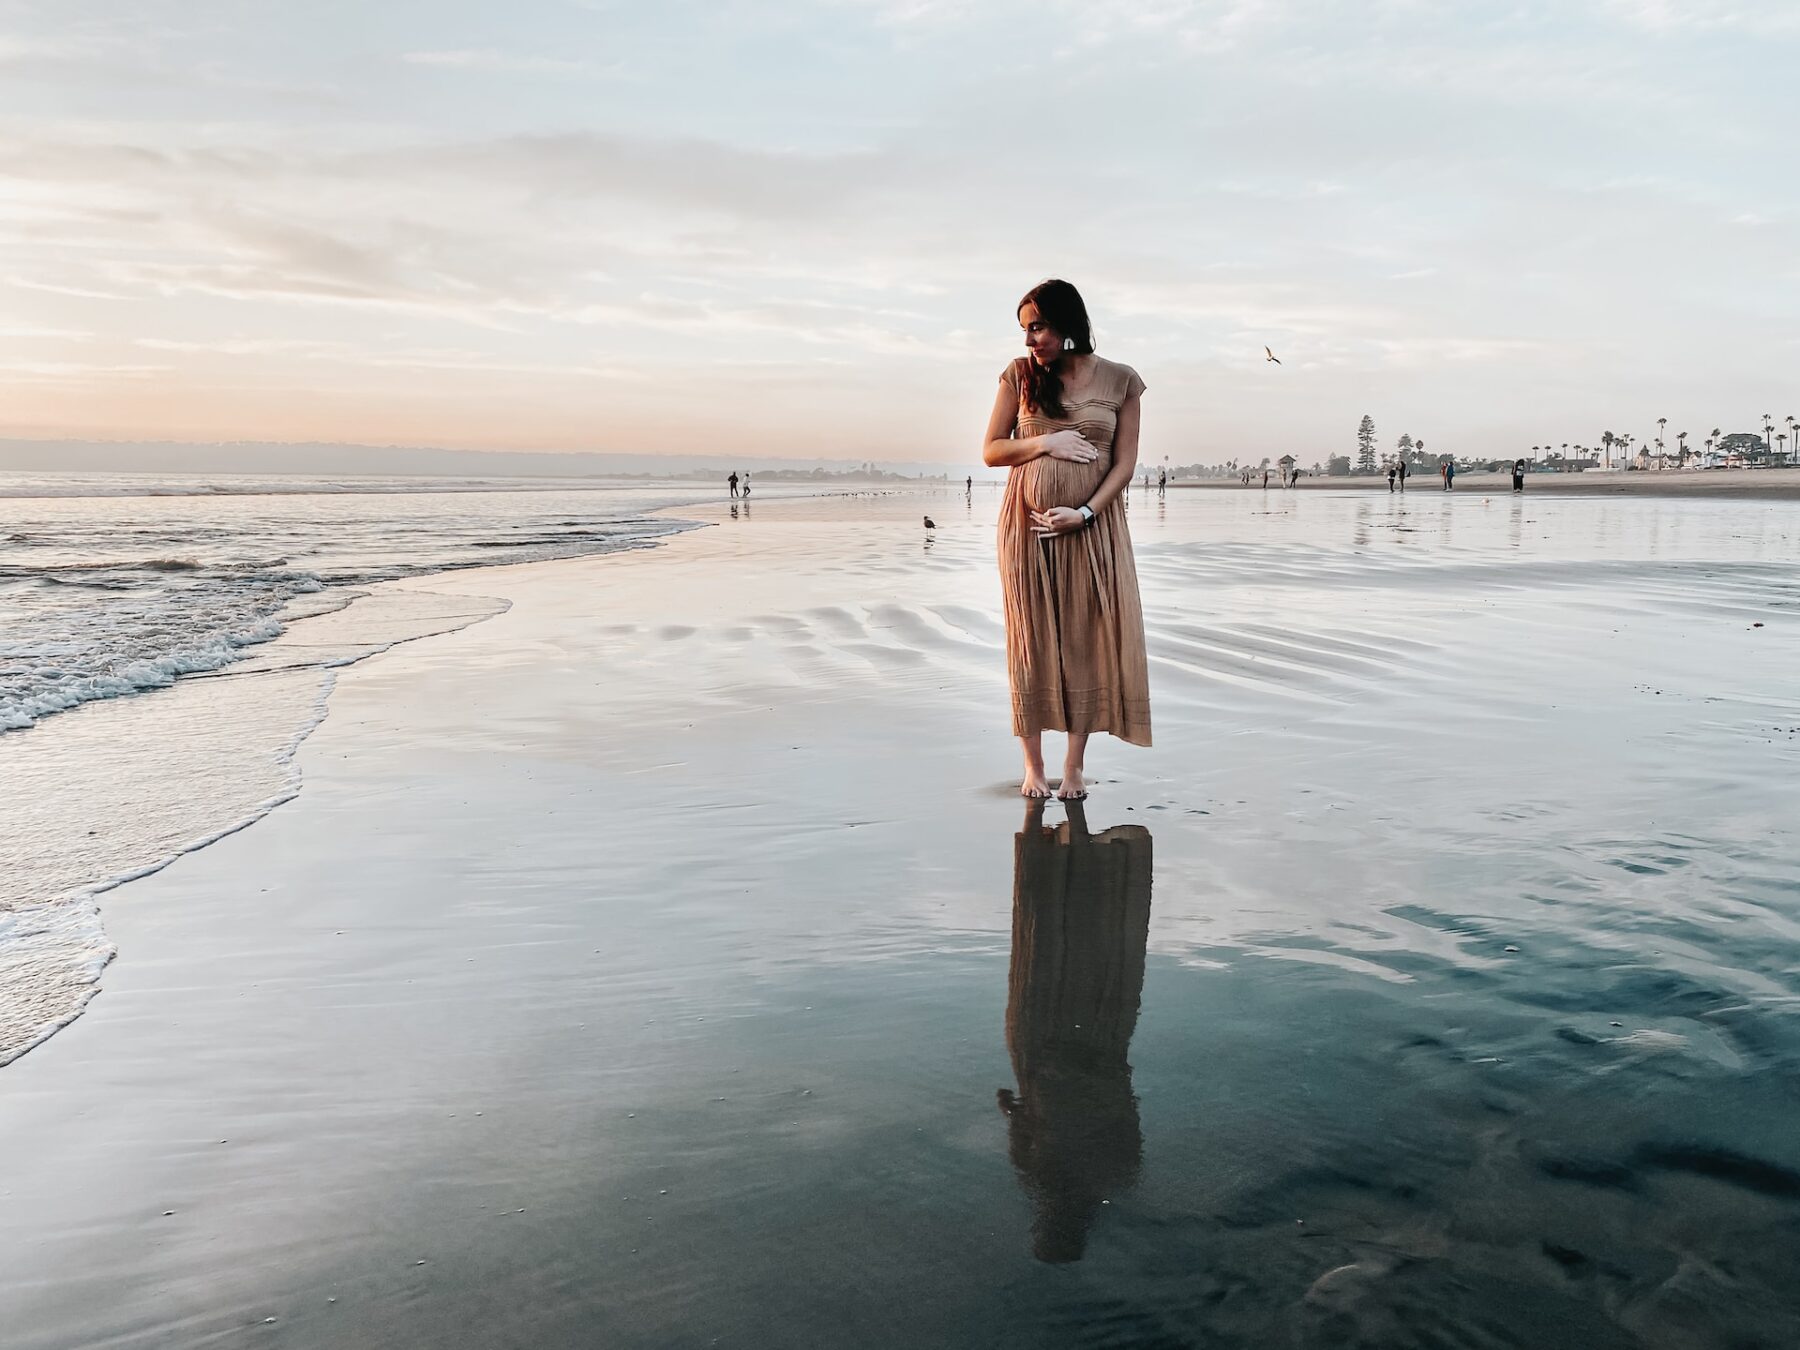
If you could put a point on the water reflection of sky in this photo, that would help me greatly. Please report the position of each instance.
(1464, 1013)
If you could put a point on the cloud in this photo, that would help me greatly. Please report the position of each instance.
(42, 333)
(1765, 18)
(497, 62)
(1214, 173)
(692, 173)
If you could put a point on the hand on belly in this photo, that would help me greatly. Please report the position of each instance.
(1059, 482)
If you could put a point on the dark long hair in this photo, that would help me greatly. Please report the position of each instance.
(1060, 305)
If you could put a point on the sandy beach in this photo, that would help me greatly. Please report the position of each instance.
(668, 961)
(1748, 484)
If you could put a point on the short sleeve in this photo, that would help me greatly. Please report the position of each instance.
(1134, 383)
(1010, 376)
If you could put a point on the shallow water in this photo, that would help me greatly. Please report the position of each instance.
(165, 644)
(681, 971)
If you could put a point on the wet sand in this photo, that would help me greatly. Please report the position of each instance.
(666, 961)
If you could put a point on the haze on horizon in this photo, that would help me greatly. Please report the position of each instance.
(800, 228)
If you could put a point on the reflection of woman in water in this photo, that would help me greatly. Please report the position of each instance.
(1081, 918)
(1065, 421)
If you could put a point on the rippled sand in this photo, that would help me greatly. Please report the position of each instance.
(668, 959)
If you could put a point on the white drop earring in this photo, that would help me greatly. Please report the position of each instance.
(1068, 344)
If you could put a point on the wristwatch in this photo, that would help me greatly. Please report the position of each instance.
(1087, 513)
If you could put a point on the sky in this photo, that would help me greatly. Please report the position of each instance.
(801, 228)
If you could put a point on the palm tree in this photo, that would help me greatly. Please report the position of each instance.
(1781, 442)
(1681, 445)
(1768, 431)
(1606, 441)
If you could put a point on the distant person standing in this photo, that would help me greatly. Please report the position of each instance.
(1390, 478)
(1449, 474)
(1265, 480)
(1518, 475)
(969, 486)
(1162, 482)
(733, 481)
(1400, 468)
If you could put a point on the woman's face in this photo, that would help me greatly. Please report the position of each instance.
(1043, 342)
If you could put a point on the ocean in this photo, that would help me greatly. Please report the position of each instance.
(166, 643)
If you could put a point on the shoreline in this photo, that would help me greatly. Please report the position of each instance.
(271, 697)
(1749, 484)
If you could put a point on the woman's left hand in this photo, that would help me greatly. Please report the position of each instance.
(1057, 520)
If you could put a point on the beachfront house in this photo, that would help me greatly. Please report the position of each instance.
(1741, 449)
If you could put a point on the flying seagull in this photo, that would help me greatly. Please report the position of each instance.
(930, 524)
(1271, 355)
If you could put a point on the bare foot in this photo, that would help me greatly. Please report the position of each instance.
(1073, 786)
(1035, 784)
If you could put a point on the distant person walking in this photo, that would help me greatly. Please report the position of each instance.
(746, 485)
(733, 481)
(1265, 479)
(1518, 475)
(1449, 474)
(1390, 478)
(1162, 483)
(1065, 425)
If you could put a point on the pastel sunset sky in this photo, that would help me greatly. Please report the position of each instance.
(799, 227)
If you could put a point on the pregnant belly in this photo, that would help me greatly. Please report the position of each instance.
(1059, 482)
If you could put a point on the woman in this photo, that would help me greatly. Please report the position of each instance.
(1066, 422)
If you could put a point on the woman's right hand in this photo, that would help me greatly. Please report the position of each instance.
(1070, 445)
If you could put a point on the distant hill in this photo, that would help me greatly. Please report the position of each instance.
(324, 460)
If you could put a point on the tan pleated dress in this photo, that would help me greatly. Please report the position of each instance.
(1074, 623)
